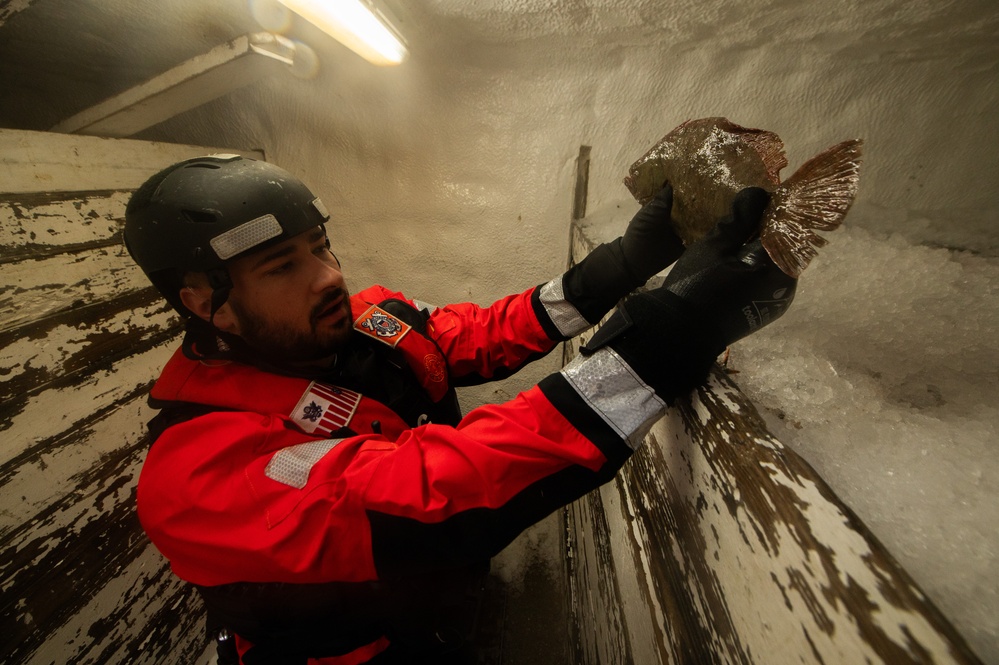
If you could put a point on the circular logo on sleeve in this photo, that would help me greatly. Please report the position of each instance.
(435, 367)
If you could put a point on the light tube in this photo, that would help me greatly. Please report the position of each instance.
(355, 25)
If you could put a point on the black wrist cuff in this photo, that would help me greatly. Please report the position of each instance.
(599, 281)
(666, 341)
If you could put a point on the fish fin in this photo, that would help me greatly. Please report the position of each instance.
(816, 198)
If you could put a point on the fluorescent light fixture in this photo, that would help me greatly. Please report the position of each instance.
(356, 24)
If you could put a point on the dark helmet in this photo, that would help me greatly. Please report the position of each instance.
(197, 214)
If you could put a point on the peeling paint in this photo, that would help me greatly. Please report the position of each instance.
(84, 278)
(44, 224)
(81, 337)
(728, 548)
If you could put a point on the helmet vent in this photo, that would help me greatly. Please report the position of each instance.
(202, 165)
(200, 216)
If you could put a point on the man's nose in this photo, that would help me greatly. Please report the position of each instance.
(328, 275)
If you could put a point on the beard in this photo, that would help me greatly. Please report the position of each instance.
(283, 342)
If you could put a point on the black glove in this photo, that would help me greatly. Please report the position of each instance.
(615, 269)
(734, 285)
(649, 244)
(720, 290)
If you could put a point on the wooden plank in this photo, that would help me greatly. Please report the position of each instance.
(645, 631)
(70, 544)
(43, 162)
(725, 546)
(81, 340)
(145, 615)
(63, 408)
(82, 563)
(40, 225)
(598, 630)
(582, 182)
(53, 565)
(201, 79)
(769, 553)
(10, 7)
(82, 335)
(34, 289)
(46, 472)
(78, 581)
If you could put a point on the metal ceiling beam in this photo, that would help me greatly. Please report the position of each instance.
(186, 86)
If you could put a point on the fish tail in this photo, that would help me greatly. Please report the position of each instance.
(816, 198)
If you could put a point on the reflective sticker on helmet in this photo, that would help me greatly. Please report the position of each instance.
(246, 236)
(318, 205)
(227, 156)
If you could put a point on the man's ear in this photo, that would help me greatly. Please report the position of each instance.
(225, 318)
(198, 299)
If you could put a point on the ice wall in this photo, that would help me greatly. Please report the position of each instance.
(883, 376)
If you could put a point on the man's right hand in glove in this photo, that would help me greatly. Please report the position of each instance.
(723, 288)
(584, 294)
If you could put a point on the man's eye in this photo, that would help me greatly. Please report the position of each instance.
(277, 270)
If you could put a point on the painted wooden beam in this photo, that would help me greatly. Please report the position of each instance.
(41, 225)
(10, 7)
(717, 544)
(41, 163)
(82, 335)
(199, 80)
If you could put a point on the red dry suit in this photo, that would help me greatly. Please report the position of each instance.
(310, 485)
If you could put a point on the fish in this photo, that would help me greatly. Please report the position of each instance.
(709, 160)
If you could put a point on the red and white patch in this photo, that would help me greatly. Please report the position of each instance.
(325, 408)
(381, 325)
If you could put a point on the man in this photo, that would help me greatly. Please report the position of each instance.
(311, 473)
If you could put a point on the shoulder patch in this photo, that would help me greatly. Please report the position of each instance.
(379, 324)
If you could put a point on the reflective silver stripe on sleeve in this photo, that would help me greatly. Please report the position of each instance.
(613, 390)
(246, 236)
(430, 309)
(292, 465)
(563, 314)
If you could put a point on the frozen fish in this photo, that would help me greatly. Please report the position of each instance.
(708, 161)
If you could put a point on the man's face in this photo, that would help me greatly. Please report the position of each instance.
(290, 301)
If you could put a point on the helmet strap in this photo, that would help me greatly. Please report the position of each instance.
(221, 284)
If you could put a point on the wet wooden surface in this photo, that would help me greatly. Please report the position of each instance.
(82, 336)
(717, 544)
